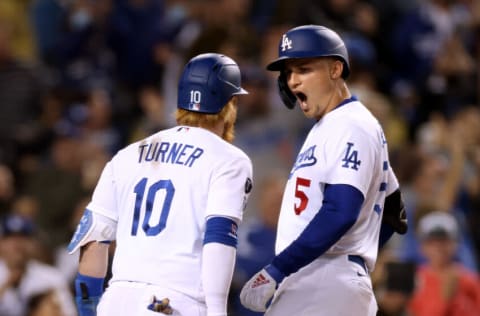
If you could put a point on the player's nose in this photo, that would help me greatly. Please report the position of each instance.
(293, 80)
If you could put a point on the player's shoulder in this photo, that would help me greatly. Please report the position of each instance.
(352, 121)
(355, 116)
(231, 153)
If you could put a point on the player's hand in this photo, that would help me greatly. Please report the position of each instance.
(259, 290)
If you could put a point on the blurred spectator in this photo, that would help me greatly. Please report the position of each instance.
(7, 188)
(438, 184)
(335, 14)
(154, 115)
(433, 70)
(44, 304)
(20, 91)
(443, 286)
(21, 276)
(56, 185)
(98, 128)
(135, 27)
(396, 290)
(12, 13)
(72, 38)
(46, 18)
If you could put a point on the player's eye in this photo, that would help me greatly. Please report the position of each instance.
(303, 70)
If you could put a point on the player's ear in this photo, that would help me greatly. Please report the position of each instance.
(336, 69)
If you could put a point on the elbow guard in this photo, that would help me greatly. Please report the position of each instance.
(92, 227)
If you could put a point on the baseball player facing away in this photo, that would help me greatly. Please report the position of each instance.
(342, 199)
(172, 202)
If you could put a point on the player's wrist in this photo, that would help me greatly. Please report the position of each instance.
(275, 273)
(88, 291)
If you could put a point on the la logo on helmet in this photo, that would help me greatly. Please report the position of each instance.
(286, 43)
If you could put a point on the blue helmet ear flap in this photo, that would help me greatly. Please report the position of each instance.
(288, 98)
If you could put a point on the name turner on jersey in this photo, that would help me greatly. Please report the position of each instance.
(174, 153)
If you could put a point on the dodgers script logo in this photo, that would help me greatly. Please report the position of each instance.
(286, 43)
(305, 159)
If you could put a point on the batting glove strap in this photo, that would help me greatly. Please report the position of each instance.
(258, 291)
(275, 273)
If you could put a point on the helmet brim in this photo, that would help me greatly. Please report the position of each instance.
(277, 65)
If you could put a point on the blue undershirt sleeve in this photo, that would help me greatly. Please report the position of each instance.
(340, 209)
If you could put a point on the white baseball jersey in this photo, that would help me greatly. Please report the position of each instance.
(347, 146)
(160, 191)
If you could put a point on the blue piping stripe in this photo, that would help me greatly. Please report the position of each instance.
(383, 186)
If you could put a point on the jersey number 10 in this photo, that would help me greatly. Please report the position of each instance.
(139, 190)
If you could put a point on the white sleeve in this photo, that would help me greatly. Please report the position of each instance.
(348, 158)
(217, 271)
(230, 188)
(392, 182)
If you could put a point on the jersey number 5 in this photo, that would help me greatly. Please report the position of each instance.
(139, 190)
(299, 194)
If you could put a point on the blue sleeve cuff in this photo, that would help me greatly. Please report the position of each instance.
(221, 230)
(275, 273)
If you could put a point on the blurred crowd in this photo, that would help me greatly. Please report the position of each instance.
(79, 79)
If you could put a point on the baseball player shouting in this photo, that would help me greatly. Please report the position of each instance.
(342, 199)
(172, 202)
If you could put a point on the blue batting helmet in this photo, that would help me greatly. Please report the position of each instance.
(311, 41)
(208, 81)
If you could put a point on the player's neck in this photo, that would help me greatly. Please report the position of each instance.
(338, 95)
(217, 129)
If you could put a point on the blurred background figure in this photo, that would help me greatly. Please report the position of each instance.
(23, 277)
(443, 286)
(396, 290)
(7, 188)
(44, 304)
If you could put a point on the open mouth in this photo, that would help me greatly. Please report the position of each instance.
(301, 97)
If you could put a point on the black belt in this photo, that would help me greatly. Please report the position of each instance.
(358, 260)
